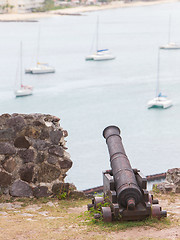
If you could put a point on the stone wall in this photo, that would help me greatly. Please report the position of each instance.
(33, 156)
(172, 182)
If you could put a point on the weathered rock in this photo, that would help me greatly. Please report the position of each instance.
(5, 178)
(48, 173)
(40, 157)
(32, 153)
(4, 118)
(7, 134)
(77, 195)
(177, 189)
(172, 183)
(61, 187)
(52, 159)
(41, 191)
(65, 163)
(22, 142)
(65, 133)
(44, 134)
(38, 123)
(16, 122)
(27, 155)
(20, 189)
(173, 175)
(26, 173)
(41, 145)
(55, 136)
(56, 150)
(32, 132)
(2, 157)
(7, 148)
(10, 164)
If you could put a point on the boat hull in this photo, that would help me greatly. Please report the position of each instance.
(170, 46)
(100, 56)
(159, 102)
(22, 93)
(40, 69)
(103, 58)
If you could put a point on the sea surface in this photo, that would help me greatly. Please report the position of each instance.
(89, 96)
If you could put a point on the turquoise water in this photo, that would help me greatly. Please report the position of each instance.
(89, 96)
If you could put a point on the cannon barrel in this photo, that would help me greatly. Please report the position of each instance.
(127, 189)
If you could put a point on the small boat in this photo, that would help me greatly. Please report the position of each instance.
(170, 45)
(160, 101)
(23, 90)
(40, 68)
(99, 55)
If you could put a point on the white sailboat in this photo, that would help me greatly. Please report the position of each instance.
(100, 54)
(160, 101)
(170, 45)
(23, 90)
(40, 68)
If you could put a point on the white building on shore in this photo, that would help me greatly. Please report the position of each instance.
(19, 6)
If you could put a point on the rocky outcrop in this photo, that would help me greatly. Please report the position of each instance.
(172, 182)
(33, 157)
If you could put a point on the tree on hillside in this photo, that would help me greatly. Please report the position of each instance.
(48, 4)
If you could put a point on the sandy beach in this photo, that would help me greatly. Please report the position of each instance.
(78, 10)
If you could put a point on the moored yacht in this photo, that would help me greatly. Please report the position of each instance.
(170, 46)
(24, 91)
(101, 55)
(160, 102)
(40, 68)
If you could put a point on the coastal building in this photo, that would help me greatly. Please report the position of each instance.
(20, 6)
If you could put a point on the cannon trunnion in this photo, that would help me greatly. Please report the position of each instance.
(125, 189)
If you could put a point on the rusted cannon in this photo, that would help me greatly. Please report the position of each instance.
(125, 189)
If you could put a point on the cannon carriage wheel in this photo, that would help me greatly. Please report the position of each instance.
(106, 214)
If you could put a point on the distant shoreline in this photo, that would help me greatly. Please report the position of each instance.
(32, 17)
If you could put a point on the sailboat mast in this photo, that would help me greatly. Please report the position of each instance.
(158, 67)
(21, 63)
(38, 45)
(169, 34)
(97, 33)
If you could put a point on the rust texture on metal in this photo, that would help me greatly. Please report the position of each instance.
(124, 188)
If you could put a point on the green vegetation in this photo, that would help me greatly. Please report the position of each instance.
(115, 226)
(98, 223)
(6, 7)
(49, 5)
(155, 189)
